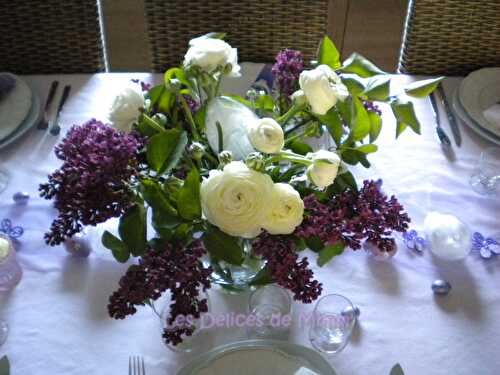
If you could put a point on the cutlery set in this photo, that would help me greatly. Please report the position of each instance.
(45, 122)
(455, 130)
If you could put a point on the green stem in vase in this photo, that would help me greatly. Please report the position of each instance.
(282, 120)
(189, 115)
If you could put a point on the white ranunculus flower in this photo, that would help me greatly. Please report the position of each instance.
(125, 109)
(234, 119)
(324, 169)
(211, 53)
(299, 97)
(266, 135)
(237, 199)
(322, 88)
(287, 210)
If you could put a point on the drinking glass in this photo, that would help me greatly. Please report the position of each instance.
(271, 306)
(486, 177)
(332, 322)
(4, 331)
(4, 179)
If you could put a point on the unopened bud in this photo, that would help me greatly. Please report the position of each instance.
(225, 157)
(196, 150)
(255, 161)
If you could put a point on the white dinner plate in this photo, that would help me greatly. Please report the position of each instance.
(30, 121)
(15, 107)
(257, 357)
(479, 91)
(469, 122)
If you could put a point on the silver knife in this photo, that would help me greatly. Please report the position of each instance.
(443, 137)
(455, 130)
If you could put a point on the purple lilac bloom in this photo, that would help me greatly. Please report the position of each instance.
(372, 107)
(91, 185)
(352, 217)
(176, 269)
(289, 64)
(286, 270)
(144, 85)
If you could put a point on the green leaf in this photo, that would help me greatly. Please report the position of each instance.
(199, 117)
(176, 73)
(334, 125)
(214, 35)
(265, 102)
(361, 66)
(329, 252)
(344, 109)
(397, 370)
(328, 54)
(378, 87)
(164, 214)
(421, 89)
(262, 277)
(354, 86)
(4, 366)
(367, 149)
(165, 149)
(132, 229)
(375, 125)
(348, 181)
(161, 98)
(314, 243)
(222, 246)
(299, 147)
(353, 157)
(117, 246)
(405, 116)
(188, 201)
(360, 125)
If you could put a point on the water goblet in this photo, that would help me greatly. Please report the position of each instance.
(270, 306)
(486, 177)
(332, 323)
(4, 179)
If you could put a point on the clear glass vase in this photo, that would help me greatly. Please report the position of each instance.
(235, 279)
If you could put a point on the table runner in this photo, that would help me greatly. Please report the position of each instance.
(58, 316)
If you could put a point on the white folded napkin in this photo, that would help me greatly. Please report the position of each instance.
(492, 115)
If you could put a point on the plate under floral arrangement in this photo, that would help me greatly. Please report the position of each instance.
(255, 357)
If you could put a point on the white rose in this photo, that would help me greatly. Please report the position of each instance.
(237, 199)
(287, 210)
(322, 88)
(324, 169)
(266, 135)
(211, 53)
(125, 109)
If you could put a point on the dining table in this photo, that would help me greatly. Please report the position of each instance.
(58, 318)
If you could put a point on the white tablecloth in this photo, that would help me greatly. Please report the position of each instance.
(58, 316)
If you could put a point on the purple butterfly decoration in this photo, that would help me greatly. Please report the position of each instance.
(7, 228)
(487, 247)
(413, 241)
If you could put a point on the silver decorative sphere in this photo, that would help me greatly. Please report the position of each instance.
(351, 311)
(78, 246)
(21, 197)
(441, 287)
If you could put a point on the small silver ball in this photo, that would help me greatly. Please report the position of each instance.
(441, 287)
(21, 197)
(78, 246)
(351, 311)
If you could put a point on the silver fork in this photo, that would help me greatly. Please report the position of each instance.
(136, 365)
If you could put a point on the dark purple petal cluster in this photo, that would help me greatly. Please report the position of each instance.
(286, 269)
(144, 85)
(286, 70)
(372, 107)
(179, 270)
(192, 104)
(91, 185)
(353, 217)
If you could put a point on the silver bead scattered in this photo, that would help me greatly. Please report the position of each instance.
(351, 311)
(441, 287)
(78, 246)
(21, 197)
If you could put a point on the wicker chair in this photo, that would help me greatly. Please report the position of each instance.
(51, 36)
(259, 29)
(450, 37)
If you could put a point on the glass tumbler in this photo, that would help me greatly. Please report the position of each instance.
(4, 179)
(486, 177)
(270, 306)
(332, 323)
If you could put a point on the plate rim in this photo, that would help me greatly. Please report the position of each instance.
(28, 122)
(485, 125)
(470, 122)
(320, 364)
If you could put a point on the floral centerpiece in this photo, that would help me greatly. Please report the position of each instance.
(215, 188)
